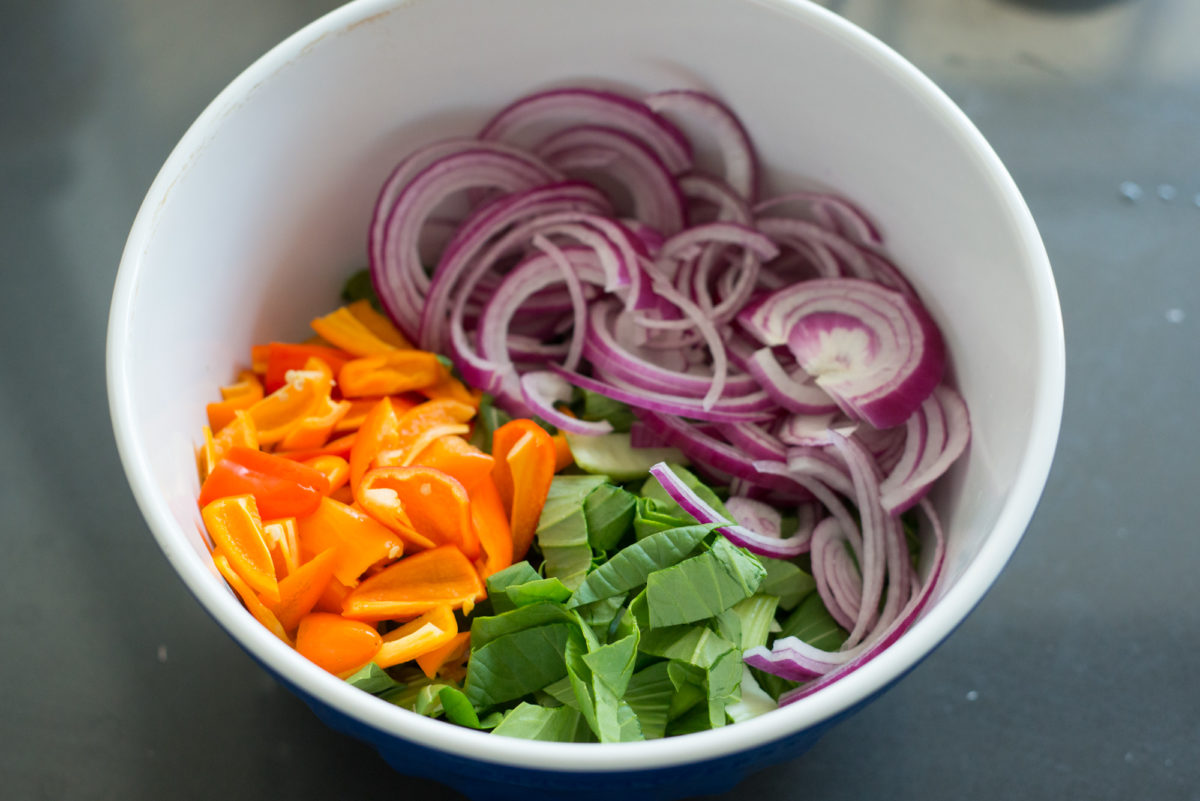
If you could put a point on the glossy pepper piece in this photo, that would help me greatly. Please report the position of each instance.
(281, 487)
(416, 584)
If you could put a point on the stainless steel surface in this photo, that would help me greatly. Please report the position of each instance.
(1075, 678)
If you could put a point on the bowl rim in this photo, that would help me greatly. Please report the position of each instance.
(937, 623)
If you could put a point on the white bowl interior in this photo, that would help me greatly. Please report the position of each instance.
(262, 210)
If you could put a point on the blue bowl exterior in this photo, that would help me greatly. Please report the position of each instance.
(486, 781)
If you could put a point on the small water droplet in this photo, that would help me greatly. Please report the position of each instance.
(1166, 192)
(162, 653)
(1131, 191)
(972, 695)
(1175, 315)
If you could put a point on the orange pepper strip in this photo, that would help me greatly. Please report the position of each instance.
(451, 652)
(427, 437)
(492, 528)
(418, 637)
(389, 373)
(378, 324)
(387, 430)
(245, 393)
(562, 453)
(525, 458)
(252, 601)
(343, 329)
(240, 432)
(416, 584)
(300, 591)
(260, 357)
(284, 409)
(314, 430)
(336, 644)
(237, 530)
(360, 540)
(361, 407)
(334, 468)
(332, 597)
(343, 495)
(282, 539)
(449, 387)
(283, 357)
(335, 447)
(281, 487)
(456, 457)
(434, 505)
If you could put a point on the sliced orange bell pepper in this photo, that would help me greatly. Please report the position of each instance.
(335, 469)
(389, 373)
(301, 589)
(236, 528)
(491, 527)
(450, 653)
(344, 330)
(254, 604)
(335, 643)
(386, 429)
(525, 458)
(283, 357)
(417, 637)
(240, 432)
(416, 584)
(456, 457)
(332, 597)
(281, 487)
(424, 506)
(361, 407)
(426, 438)
(335, 447)
(284, 543)
(284, 409)
(241, 395)
(378, 324)
(450, 388)
(562, 452)
(314, 430)
(360, 540)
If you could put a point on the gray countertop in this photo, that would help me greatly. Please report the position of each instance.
(1075, 678)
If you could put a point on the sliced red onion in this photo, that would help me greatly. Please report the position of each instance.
(874, 350)
(461, 263)
(809, 430)
(911, 613)
(729, 205)
(794, 391)
(756, 442)
(838, 582)
(399, 276)
(574, 105)
(737, 152)
(735, 410)
(756, 515)
(657, 201)
(542, 388)
(945, 413)
(753, 541)
(831, 212)
(643, 436)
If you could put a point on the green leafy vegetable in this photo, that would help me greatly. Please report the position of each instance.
(667, 505)
(553, 724)
(562, 532)
(813, 624)
(787, 581)
(457, 708)
(359, 287)
(612, 455)
(597, 407)
(630, 567)
(649, 695)
(609, 511)
(517, 664)
(538, 591)
(702, 586)
(498, 584)
(649, 519)
(487, 420)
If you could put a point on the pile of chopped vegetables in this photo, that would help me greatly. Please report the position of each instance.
(631, 453)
